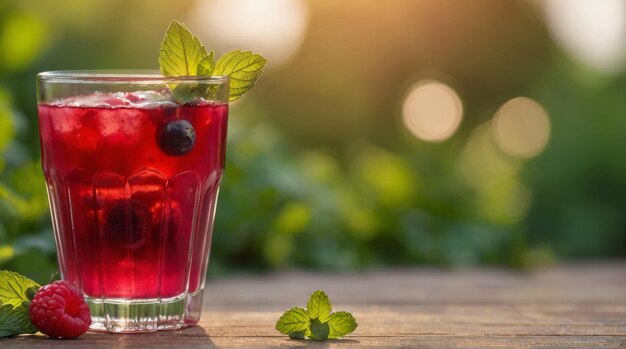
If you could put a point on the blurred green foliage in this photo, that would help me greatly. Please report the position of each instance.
(308, 183)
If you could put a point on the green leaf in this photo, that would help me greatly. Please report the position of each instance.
(14, 321)
(319, 330)
(318, 306)
(187, 92)
(180, 52)
(16, 289)
(317, 322)
(30, 292)
(293, 320)
(297, 335)
(243, 68)
(205, 68)
(341, 323)
(206, 65)
(16, 292)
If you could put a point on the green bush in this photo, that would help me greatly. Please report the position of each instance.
(293, 198)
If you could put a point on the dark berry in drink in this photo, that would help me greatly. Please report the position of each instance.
(177, 137)
(128, 222)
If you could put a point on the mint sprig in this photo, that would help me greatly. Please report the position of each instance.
(341, 323)
(319, 330)
(243, 68)
(206, 65)
(293, 320)
(182, 54)
(14, 321)
(317, 322)
(318, 306)
(16, 292)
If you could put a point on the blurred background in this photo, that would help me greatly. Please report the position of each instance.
(448, 133)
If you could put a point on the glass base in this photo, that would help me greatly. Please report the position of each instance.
(130, 316)
(194, 308)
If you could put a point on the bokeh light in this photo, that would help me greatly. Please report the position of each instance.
(318, 175)
(22, 37)
(521, 127)
(592, 32)
(501, 197)
(505, 202)
(274, 28)
(432, 111)
(482, 163)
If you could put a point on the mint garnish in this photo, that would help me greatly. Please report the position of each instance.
(297, 334)
(206, 65)
(244, 68)
(318, 306)
(317, 322)
(182, 54)
(16, 289)
(340, 324)
(319, 330)
(16, 292)
(14, 321)
(293, 320)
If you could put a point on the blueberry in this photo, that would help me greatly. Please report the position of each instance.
(176, 138)
(127, 223)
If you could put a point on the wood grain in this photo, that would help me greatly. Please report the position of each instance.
(576, 305)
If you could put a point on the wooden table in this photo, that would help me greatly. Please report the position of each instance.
(576, 305)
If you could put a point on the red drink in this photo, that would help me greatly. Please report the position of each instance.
(133, 187)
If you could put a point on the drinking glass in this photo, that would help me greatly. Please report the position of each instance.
(133, 178)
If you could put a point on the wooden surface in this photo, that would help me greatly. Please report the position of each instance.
(567, 306)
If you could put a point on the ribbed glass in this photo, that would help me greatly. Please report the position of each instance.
(132, 198)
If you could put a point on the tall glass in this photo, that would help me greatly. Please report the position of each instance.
(132, 180)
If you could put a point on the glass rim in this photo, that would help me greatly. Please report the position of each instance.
(125, 76)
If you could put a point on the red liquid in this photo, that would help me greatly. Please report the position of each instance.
(130, 220)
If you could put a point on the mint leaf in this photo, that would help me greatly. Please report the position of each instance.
(16, 292)
(206, 65)
(180, 55)
(341, 323)
(243, 68)
(316, 322)
(15, 320)
(318, 306)
(180, 52)
(293, 320)
(16, 289)
(297, 335)
(205, 68)
(187, 92)
(319, 330)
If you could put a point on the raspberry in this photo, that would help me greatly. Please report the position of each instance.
(59, 311)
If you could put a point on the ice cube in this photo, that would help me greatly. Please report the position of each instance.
(65, 121)
(151, 99)
(126, 122)
(146, 96)
(72, 126)
(96, 100)
(138, 99)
